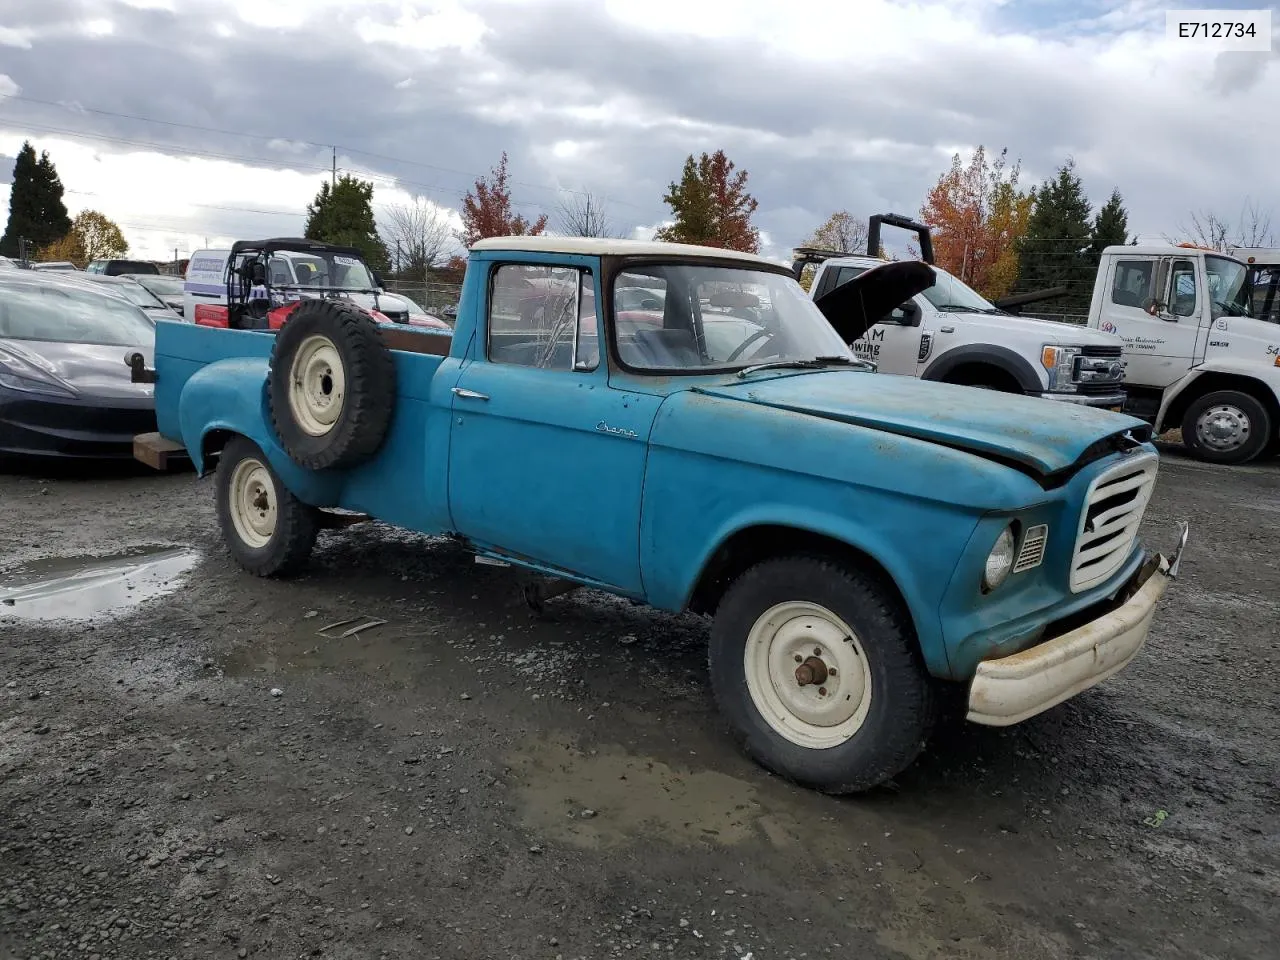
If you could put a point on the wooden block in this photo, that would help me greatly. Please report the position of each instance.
(156, 451)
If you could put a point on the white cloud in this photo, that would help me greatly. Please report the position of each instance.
(842, 105)
(447, 24)
(16, 37)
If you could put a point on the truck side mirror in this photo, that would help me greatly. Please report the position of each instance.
(911, 315)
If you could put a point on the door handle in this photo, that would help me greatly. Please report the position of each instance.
(948, 329)
(469, 394)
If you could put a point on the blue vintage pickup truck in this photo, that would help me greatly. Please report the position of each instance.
(683, 426)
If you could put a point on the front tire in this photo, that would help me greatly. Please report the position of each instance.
(1226, 426)
(817, 670)
(269, 531)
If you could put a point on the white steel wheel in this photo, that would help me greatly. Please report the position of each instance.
(252, 503)
(317, 385)
(807, 675)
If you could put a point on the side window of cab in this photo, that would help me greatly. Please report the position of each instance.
(544, 317)
(1182, 288)
(1131, 285)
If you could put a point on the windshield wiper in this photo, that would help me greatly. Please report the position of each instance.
(817, 363)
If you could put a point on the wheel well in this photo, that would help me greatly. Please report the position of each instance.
(1208, 383)
(748, 547)
(972, 374)
(212, 443)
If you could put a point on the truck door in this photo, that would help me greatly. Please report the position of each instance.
(1153, 304)
(894, 343)
(546, 462)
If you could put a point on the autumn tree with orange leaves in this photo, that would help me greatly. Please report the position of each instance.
(486, 210)
(711, 206)
(977, 215)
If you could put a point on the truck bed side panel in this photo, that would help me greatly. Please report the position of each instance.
(215, 379)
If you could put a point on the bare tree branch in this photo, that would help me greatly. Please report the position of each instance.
(418, 235)
(1208, 229)
(583, 215)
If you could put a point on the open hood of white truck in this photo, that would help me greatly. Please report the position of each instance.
(855, 307)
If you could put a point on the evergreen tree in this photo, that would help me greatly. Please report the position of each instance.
(1111, 225)
(1057, 249)
(711, 206)
(343, 214)
(36, 210)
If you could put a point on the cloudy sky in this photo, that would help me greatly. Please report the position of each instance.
(189, 121)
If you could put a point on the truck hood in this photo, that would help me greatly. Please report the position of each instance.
(855, 307)
(1050, 331)
(1043, 438)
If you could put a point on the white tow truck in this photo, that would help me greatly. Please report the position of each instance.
(952, 334)
(1198, 356)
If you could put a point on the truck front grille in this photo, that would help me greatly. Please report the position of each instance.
(1113, 511)
(1111, 353)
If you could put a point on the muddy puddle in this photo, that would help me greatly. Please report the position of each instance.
(82, 588)
(608, 797)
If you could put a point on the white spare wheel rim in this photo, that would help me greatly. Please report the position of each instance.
(317, 385)
(253, 503)
(808, 675)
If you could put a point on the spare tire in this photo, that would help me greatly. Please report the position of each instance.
(332, 385)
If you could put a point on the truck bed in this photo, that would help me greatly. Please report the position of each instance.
(231, 367)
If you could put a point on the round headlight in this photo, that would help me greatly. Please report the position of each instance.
(999, 560)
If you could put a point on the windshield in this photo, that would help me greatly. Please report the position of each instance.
(162, 286)
(696, 317)
(135, 293)
(44, 312)
(1229, 289)
(951, 295)
(321, 271)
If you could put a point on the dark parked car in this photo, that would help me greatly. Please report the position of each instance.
(116, 268)
(64, 388)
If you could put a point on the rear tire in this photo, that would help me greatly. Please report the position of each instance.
(332, 385)
(269, 531)
(1226, 426)
(863, 710)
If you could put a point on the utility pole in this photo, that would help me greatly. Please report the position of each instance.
(334, 180)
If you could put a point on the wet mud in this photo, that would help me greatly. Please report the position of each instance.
(197, 768)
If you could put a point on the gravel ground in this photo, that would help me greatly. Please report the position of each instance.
(206, 775)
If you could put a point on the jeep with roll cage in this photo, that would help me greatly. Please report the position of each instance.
(261, 291)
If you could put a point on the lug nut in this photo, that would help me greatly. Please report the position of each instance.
(817, 651)
(799, 659)
(822, 691)
(831, 671)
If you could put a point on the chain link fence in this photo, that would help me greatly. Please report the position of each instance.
(432, 295)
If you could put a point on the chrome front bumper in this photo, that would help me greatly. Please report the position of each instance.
(1108, 401)
(1011, 689)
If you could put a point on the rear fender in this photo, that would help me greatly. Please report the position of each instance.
(230, 395)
